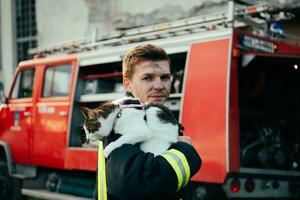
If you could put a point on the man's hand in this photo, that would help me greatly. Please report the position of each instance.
(185, 139)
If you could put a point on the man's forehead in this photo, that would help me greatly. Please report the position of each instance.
(155, 64)
(153, 69)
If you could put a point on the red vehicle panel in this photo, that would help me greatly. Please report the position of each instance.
(81, 159)
(204, 106)
(18, 127)
(19, 130)
(53, 114)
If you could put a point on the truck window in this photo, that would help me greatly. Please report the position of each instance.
(269, 104)
(57, 81)
(24, 84)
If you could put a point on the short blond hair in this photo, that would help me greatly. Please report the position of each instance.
(145, 52)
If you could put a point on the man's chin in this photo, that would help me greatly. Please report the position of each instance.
(159, 100)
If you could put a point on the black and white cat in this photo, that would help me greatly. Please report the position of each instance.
(152, 125)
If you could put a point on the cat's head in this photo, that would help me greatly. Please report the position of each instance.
(98, 122)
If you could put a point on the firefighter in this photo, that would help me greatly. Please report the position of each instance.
(131, 173)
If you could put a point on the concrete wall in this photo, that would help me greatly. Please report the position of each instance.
(8, 42)
(1, 76)
(59, 21)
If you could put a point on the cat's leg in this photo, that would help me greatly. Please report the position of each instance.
(126, 139)
(166, 132)
(157, 146)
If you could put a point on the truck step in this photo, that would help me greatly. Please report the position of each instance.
(47, 195)
(22, 176)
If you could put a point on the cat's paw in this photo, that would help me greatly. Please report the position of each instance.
(93, 137)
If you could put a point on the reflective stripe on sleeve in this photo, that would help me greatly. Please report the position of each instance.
(102, 195)
(180, 165)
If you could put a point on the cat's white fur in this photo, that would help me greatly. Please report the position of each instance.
(106, 128)
(154, 136)
(131, 126)
(162, 134)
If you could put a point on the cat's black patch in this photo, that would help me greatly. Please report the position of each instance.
(165, 115)
(105, 109)
(111, 138)
(130, 101)
(181, 129)
(134, 102)
(92, 125)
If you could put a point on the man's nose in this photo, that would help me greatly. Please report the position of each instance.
(158, 84)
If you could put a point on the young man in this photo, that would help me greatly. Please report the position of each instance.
(131, 173)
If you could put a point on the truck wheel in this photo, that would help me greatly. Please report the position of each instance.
(10, 188)
(6, 188)
(206, 191)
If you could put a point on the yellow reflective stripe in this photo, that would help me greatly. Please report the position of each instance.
(176, 168)
(102, 195)
(180, 165)
(185, 164)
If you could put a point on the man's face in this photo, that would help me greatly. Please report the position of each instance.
(150, 81)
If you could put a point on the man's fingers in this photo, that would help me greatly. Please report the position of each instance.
(185, 139)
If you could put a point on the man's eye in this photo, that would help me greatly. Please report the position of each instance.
(165, 78)
(146, 78)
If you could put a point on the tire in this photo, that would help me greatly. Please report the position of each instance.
(10, 188)
(207, 191)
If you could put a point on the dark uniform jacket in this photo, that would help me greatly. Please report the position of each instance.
(135, 175)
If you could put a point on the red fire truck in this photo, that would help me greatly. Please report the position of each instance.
(236, 93)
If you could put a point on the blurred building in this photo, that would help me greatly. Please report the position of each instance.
(18, 34)
(29, 23)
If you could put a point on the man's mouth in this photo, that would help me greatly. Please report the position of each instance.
(158, 97)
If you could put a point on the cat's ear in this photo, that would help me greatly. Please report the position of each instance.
(87, 113)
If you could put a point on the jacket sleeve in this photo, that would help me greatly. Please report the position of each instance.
(136, 174)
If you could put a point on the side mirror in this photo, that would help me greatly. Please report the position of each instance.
(3, 99)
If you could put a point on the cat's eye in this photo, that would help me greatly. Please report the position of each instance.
(93, 126)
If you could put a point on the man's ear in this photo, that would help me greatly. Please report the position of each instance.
(127, 85)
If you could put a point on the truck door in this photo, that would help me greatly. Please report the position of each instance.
(204, 105)
(52, 115)
(19, 117)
